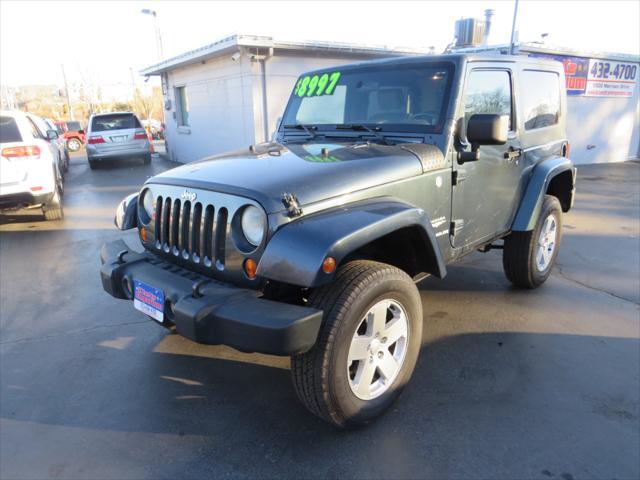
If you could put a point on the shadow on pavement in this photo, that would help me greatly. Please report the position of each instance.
(507, 397)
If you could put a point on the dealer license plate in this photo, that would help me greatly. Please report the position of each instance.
(148, 300)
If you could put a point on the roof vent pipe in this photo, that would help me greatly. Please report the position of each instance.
(488, 13)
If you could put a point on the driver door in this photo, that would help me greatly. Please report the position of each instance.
(486, 191)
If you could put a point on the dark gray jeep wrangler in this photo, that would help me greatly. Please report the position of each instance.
(381, 173)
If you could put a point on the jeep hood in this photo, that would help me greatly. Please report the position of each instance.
(312, 172)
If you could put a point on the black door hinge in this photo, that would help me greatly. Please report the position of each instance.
(455, 227)
(457, 177)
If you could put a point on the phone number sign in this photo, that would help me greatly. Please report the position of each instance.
(611, 79)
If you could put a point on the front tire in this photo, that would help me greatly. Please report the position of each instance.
(528, 257)
(367, 347)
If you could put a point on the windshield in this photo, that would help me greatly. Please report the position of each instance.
(408, 98)
(74, 126)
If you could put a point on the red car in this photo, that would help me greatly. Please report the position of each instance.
(73, 134)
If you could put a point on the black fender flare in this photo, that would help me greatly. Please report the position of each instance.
(531, 204)
(295, 253)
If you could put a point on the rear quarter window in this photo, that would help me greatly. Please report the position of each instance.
(9, 131)
(114, 122)
(540, 98)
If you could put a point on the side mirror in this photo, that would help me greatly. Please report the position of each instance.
(52, 134)
(484, 129)
(488, 129)
(127, 213)
(81, 132)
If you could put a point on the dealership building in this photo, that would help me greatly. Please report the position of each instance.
(231, 93)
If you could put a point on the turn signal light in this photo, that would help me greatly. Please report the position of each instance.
(329, 265)
(26, 151)
(250, 268)
(143, 234)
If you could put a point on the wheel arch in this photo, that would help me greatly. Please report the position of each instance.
(295, 253)
(556, 177)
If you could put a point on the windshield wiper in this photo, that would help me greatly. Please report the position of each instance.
(359, 127)
(309, 129)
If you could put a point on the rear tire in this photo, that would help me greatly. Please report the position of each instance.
(343, 378)
(528, 257)
(146, 159)
(53, 210)
(93, 164)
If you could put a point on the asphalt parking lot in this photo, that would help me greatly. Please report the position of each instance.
(510, 384)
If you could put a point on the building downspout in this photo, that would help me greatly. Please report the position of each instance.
(265, 105)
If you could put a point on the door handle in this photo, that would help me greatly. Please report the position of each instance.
(512, 153)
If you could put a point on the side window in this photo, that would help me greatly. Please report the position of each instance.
(182, 106)
(488, 91)
(541, 99)
(35, 131)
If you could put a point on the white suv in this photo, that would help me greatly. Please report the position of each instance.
(29, 174)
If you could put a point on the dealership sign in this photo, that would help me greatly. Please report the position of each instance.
(611, 79)
(595, 77)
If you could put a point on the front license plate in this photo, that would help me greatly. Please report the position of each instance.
(148, 300)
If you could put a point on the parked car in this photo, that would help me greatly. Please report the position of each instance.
(116, 135)
(29, 159)
(381, 173)
(73, 134)
(154, 128)
(63, 150)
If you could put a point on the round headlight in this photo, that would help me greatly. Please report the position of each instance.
(253, 225)
(148, 205)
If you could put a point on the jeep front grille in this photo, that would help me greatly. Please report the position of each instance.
(194, 231)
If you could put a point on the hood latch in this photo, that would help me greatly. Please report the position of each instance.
(290, 201)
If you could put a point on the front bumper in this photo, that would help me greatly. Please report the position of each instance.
(210, 312)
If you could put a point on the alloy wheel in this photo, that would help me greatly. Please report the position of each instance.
(378, 349)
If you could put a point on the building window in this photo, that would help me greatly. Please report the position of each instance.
(541, 98)
(488, 91)
(182, 106)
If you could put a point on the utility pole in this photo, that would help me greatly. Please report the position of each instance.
(133, 84)
(66, 91)
(513, 30)
(134, 91)
(154, 14)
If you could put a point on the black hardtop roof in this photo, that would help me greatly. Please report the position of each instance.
(456, 58)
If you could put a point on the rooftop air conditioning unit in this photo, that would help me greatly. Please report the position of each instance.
(469, 32)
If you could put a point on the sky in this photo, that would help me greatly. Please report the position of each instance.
(106, 41)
